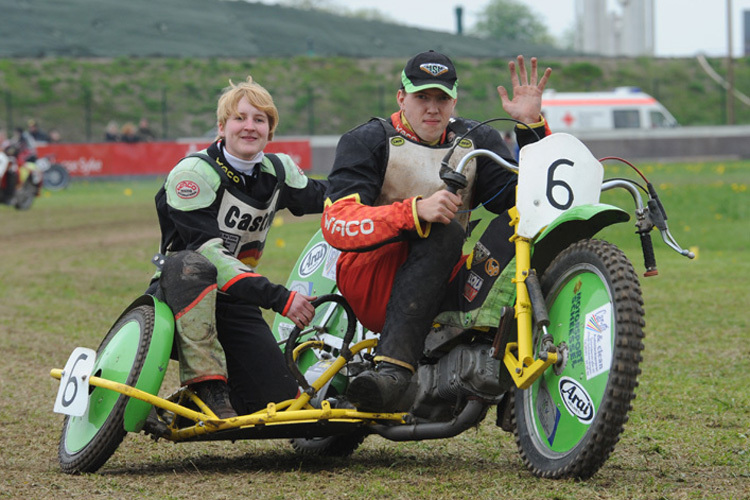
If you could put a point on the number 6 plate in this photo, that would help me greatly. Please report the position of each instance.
(73, 394)
(555, 174)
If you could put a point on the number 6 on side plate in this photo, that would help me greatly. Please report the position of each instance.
(73, 394)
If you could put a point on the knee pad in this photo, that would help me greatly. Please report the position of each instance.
(187, 266)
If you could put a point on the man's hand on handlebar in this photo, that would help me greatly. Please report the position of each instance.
(440, 207)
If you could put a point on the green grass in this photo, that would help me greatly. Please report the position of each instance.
(78, 257)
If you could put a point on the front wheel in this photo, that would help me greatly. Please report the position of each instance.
(569, 420)
(87, 442)
(56, 177)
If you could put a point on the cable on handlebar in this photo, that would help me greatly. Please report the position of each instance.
(446, 158)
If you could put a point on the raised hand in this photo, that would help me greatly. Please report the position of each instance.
(526, 104)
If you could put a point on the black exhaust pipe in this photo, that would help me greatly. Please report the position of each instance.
(468, 417)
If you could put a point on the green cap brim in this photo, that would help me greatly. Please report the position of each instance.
(411, 88)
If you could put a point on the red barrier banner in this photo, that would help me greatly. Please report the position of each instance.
(147, 158)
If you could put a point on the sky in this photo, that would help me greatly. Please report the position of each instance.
(684, 28)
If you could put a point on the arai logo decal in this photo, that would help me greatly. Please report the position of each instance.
(577, 401)
(313, 259)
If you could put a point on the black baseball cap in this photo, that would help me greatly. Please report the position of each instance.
(429, 70)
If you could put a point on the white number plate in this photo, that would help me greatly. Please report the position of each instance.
(555, 174)
(73, 394)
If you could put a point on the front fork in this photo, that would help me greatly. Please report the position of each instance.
(524, 369)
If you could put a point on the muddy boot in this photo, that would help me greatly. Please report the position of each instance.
(381, 389)
(215, 393)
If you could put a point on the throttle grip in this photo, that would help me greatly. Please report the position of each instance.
(649, 259)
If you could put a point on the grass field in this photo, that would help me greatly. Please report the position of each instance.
(78, 257)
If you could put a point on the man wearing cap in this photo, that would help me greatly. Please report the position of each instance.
(400, 231)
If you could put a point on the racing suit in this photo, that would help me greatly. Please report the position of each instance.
(396, 271)
(214, 220)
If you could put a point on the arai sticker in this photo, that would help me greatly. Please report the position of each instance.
(597, 341)
(313, 259)
(577, 401)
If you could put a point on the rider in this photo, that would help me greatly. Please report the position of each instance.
(399, 229)
(215, 211)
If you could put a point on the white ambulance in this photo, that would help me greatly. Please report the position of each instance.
(622, 108)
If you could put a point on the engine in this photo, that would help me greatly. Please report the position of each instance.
(465, 371)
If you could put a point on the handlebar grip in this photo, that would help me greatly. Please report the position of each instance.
(454, 180)
(649, 259)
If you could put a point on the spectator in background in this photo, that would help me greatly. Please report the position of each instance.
(54, 136)
(128, 134)
(38, 134)
(144, 131)
(112, 132)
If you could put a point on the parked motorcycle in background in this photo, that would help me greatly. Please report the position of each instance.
(19, 184)
(54, 175)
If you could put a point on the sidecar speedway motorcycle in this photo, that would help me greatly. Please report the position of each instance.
(555, 347)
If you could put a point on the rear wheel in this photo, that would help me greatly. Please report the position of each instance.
(569, 420)
(334, 320)
(87, 442)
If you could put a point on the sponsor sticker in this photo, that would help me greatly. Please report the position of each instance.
(472, 286)
(329, 270)
(187, 190)
(313, 259)
(492, 268)
(398, 141)
(597, 341)
(303, 287)
(464, 143)
(480, 253)
(576, 400)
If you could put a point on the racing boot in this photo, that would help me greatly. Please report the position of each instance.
(381, 389)
(418, 291)
(215, 393)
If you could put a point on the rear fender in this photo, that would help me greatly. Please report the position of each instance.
(157, 360)
(576, 224)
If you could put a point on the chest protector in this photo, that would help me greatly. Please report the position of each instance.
(413, 169)
(243, 220)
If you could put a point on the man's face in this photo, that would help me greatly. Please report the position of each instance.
(246, 132)
(427, 111)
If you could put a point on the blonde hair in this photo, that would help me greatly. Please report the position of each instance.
(256, 95)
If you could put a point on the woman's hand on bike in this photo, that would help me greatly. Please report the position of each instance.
(301, 312)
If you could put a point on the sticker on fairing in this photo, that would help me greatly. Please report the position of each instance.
(576, 400)
(303, 287)
(285, 329)
(597, 341)
(329, 270)
(313, 259)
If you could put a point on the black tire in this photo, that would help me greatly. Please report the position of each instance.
(87, 442)
(25, 195)
(56, 177)
(331, 446)
(557, 400)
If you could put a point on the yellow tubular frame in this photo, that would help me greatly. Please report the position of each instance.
(293, 411)
(524, 369)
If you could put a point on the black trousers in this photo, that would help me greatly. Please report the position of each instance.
(256, 368)
(258, 374)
